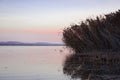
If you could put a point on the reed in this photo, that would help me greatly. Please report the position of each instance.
(101, 34)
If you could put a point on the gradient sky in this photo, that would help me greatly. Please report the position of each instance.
(44, 20)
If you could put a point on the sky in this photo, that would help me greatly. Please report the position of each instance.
(44, 20)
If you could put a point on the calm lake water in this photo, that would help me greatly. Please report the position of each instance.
(32, 62)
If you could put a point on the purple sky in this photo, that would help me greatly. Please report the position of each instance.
(44, 20)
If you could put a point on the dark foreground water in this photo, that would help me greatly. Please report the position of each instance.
(32, 63)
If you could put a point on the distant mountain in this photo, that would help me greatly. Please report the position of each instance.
(15, 43)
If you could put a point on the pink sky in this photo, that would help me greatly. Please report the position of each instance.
(32, 35)
(44, 20)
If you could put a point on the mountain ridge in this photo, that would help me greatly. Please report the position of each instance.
(17, 43)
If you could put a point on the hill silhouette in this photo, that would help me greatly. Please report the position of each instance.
(16, 43)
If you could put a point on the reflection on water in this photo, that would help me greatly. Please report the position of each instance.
(32, 63)
(74, 67)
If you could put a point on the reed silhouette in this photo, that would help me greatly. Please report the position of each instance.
(102, 33)
(96, 46)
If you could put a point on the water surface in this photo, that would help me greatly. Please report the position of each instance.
(32, 62)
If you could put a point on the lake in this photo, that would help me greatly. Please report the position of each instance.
(32, 62)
